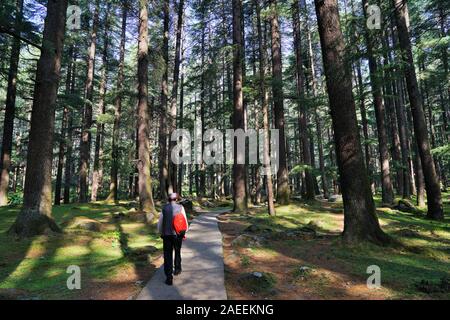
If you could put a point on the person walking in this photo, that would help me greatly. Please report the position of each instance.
(172, 240)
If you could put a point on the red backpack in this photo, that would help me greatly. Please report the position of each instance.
(179, 224)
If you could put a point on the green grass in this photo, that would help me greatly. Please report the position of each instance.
(265, 284)
(424, 253)
(38, 266)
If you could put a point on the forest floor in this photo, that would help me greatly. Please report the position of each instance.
(115, 249)
(294, 262)
(118, 253)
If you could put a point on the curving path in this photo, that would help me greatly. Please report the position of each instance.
(202, 262)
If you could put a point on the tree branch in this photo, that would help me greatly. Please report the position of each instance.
(18, 36)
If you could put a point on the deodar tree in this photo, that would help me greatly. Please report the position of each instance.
(239, 169)
(434, 200)
(35, 216)
(360, 220)
(145, 183)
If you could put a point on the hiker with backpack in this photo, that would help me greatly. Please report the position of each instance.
(172, 225)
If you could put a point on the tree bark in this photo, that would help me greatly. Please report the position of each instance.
(283, 191)
(262, 49)
(10, 110)
(375, 80)
(163, 128)
(239, 170)
(36, 214)
(434, 200)
(97, 176)
(408, 177)
(174, 97)
(145, 184)
(85, 142)
(64, 131)
(69, 142)
(391, 112)
(312, 73)
(360, 220)
(113, 186)
(302, 118)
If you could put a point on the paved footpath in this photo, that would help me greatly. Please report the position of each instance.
(202, 263)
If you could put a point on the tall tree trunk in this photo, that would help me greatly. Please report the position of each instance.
(64, 130)
(445, 106)
(375, 80)
(200, 175)
(312, 71)
(302, 121)
(113, 186)
(181, 167)
(69, 141)
(36, 214)
(174, 97)
(360, 220)
(391, 112)
(10, 109)
(97, 176)
(163, 129)
(408, 177)
(420, 192)
(145, 184)
(283, 191)
(239, 170)
(434, 200)
(361, 93)
(401, 122)
(85, 142)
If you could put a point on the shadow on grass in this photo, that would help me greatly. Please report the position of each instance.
(137, 257)
(12, 251)
(36, 267)
(401, 266)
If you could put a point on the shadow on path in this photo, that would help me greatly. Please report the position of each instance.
(202, 262)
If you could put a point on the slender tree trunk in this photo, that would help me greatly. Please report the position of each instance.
(445, 106)
(239, 188)
(302, 121)
(434, 200)
(113, 186)
(420, 192)
(163, 129)
(10, 110)
(36, 214)
(85, 142)
(317, 119)
(181, 167)
(401, 122)
(362, 109)
(360, 220)
(173, 101)
(375, 80)
(145, 184)
(201, 167)
(64, 130)
(69, 141)
(283, 191)
(408, 176)
(97, 176)
(391, 112)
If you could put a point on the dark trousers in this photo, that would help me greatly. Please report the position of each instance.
(171, 243)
